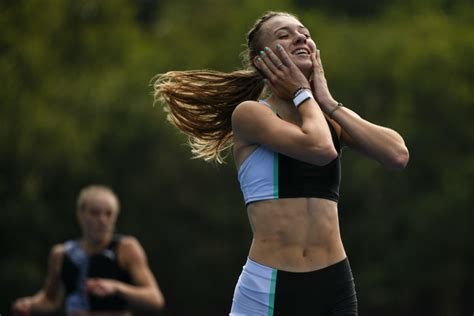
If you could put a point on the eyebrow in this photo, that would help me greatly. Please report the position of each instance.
(287, 28)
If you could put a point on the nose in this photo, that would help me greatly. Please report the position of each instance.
(103, 218)
(300, 38)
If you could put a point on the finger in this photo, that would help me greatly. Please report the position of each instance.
(317, 66)
(319, 57)
(264, 68)
(268, 62)
(274, 58)
(97, 291)
(90, 283)
(284, 57)
(314, 60)
(319, 60)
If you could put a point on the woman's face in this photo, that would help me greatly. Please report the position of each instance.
(98, 217)
(294, 37)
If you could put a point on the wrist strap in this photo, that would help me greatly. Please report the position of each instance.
(299, 90)
(302, 96)
(337, 107)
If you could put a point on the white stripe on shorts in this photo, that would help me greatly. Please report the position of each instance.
(255, 291)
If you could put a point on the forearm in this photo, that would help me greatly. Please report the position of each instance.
(143, 297)
(315, 126)
(42, 304)
(314, 123)
(379, 143)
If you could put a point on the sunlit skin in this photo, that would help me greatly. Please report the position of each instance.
(298, 234)
(293, 37)
(301, 234)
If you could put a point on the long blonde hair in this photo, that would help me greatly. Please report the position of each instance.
(200, 102)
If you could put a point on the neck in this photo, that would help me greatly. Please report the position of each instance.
(284, 108)
(95, 246)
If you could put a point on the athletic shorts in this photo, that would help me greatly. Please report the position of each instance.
(262, 290)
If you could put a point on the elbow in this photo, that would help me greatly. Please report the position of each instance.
(155, 307)
(159, 302)
(400, 159)
(330, 154)
(324, 155)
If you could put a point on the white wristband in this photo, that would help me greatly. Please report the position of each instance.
(302, 96)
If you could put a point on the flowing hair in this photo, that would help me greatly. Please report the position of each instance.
(200, 102)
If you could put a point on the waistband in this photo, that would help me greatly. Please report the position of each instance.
(332, 272)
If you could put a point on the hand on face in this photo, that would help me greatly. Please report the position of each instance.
(283, 77)
(319, 82)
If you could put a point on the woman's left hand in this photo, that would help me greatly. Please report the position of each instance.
(319, 83)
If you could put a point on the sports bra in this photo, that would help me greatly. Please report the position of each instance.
(267, 175)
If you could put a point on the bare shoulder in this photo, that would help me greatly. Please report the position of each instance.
(57, 252)
(250, 114)
(129, 241)
(247, 105)
(249, 110)
(130, 249)
(56, 256)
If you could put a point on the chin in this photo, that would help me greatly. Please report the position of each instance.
(305, 67)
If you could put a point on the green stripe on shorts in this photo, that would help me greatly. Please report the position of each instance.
(271, 296)
(275, 175)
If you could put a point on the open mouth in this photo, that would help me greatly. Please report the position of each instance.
(301, 52)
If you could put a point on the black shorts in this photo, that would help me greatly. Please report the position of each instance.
(262, 290)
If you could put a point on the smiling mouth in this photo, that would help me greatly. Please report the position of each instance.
(300, 52)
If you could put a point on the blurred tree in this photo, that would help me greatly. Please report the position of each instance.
(76, 108)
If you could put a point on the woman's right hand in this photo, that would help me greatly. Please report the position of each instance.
(22, 307)
(282, 76)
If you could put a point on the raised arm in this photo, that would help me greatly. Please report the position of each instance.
(376, 142)
(144, 292)
(308, 140)
(49, 298)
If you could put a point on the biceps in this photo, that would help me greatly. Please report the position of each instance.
(139, 270)
(142, 276)
(278, 135)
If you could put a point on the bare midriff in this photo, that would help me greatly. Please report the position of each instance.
(297, 234)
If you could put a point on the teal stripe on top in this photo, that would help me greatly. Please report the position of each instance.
(275, 176)
(271, 296)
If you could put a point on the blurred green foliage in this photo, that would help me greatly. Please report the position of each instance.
(76, 108)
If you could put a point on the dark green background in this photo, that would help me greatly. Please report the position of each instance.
(76, 108)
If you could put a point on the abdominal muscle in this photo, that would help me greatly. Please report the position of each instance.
(297, 234)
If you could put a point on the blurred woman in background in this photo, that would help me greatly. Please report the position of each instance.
(100, 273)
